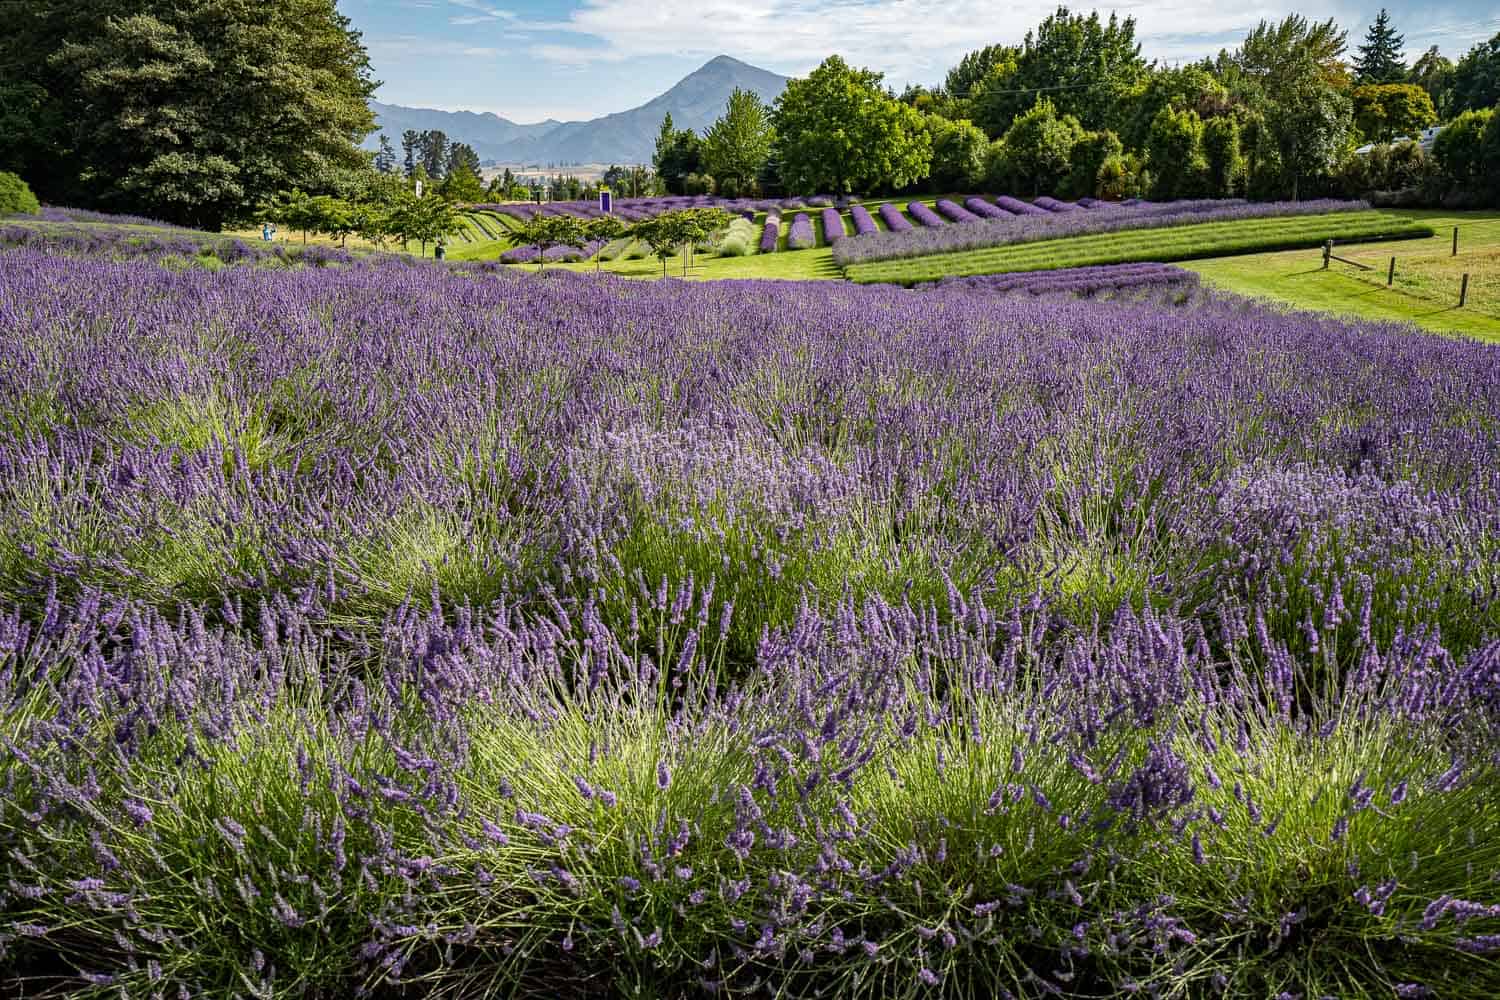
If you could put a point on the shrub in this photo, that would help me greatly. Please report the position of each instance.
(16, 197)
(1459, 149)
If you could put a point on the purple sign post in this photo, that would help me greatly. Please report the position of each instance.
(606, 201)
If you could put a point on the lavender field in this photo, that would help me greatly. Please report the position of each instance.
(389, 629)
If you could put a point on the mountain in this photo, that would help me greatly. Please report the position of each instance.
(485, 132)
(625, 137)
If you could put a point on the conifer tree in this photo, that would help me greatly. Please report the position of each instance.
(1379, 59)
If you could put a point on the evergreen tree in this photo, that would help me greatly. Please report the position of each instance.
(1379, 59)
(434, 152)
(385, 158)
(738, 144)
(411, 141)
(462, 155)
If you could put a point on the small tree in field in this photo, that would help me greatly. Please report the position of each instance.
(663, 234)
(548, 231)
(604, 229)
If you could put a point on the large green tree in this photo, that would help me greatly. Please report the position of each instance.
(1475, 84)
(1083, 64)
(1384, 111)
(1433, 72)
(1379, 59)
(838, 131)
(193, 111)
(679, 152)
(736, 147)
(1037, 151)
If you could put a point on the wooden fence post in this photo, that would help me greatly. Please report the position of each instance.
(1463, 291)
(1390, 275)
(1455, 241)
(1327, 252)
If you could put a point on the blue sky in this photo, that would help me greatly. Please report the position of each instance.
(572, 59)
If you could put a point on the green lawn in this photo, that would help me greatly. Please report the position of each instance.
(1200, 240)
(1425, 290)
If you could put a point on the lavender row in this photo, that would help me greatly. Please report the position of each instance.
(1101, 218)
(864, 223)
(771, 234)
(924, 215)
(955, 212)
(833, 226)
(894, 220)
(984, 209)
(800, 235)
(1086, 281)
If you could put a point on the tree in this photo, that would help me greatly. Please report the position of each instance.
(1090, 153)
(602, 230)
(1186, 88)
(1083, 64)
(1384, 111)
(1039, 148)
(964, 79)
(1379, 59)
(334, 217)
(1221, 155)
(462, 156)
(193, 111)
(548, 231)
(385, 158)
(293, 209)
(737, 146)
(838, 131)
(1309, 125)
(425, 219)
(434, 153)
(1475, 84)
(1460, 149)
(957, 153)
(678, 153)
(16, 197)
(1433, 72)
(1280, 57)
(462, 185)
(1489, 156)
(411, 142)
(1175, 150)
(663, 234)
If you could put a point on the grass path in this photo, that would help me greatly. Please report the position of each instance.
(1425, 291)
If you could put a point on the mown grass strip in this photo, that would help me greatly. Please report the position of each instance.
(1213, 239)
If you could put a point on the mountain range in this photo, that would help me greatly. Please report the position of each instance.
(625, 137)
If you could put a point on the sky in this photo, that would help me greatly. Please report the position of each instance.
(529, 60)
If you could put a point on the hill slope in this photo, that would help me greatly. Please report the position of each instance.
(624, 137)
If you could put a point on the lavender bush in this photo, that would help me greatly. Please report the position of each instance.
(771, 234)
(894, 220)
(955, 212)
(926, 216)
(985, 210)
(800, 236)
(401, 629)
(1016, 206)
(1042, 225)
(833, 226)
(1053, 205)
(863, 222)
(1087, 281)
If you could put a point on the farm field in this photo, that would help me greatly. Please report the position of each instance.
(386, 627)
(1184, 242)
(1426, 286)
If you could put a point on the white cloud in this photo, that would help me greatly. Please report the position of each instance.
(914, 40)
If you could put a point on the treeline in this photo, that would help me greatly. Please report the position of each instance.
(1075, 110)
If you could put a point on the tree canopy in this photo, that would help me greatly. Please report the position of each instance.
(838, 131)
(736, 147)
(192, 111)
(1379, 59)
